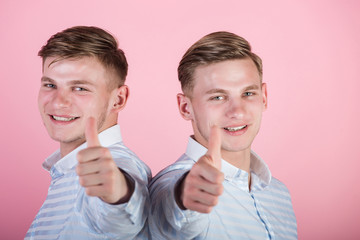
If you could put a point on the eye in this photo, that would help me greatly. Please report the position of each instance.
(217, 98)
(49, 85)
(248, 94)
(79, 89)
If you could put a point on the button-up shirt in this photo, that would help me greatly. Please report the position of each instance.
(264, 212)
(69, 213)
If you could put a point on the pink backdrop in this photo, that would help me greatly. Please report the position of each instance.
(310, 132)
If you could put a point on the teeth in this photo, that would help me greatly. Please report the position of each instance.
(63, 118)
(234, 129)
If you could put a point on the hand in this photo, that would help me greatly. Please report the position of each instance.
(202, 186)
(97, 171)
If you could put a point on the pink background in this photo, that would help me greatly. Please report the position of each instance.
(310, 132)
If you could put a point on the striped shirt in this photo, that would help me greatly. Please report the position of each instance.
(68, 213)
(265, 212)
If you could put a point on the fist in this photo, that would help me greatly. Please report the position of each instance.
(201, 188)
(97, 171)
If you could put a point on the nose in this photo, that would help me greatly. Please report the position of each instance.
(236, 109)
(61, 99)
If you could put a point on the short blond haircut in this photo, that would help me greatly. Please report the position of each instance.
(88, 41)
(212, 48)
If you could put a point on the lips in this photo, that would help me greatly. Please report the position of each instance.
(235, 129)
(63, 118)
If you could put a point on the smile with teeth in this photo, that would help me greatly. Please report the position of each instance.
(64, 119)
(234, 129)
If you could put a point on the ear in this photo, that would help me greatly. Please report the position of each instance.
(264, 95)
(184, 105)
(120, 98)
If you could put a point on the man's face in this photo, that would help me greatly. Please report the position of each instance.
(71, 91)
(230, 95)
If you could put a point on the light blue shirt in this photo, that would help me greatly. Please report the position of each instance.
(265, 212)
(68, 213)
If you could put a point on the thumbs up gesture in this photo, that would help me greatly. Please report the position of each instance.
(97, 171)
(202, 186)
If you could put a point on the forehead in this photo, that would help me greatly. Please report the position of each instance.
(230, 74)
(88, 68)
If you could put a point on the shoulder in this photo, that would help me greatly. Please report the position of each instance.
(277, 183)
(127, 160)
(183, 163)
(276, 187)
(174, 171)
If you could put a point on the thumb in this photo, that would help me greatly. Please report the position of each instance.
(214, 146)
(91, 133)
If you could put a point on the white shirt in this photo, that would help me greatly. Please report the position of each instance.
(265, 212)
(68, 213)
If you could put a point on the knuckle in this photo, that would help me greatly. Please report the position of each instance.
(222, 177)
(82, 181)
(207, 158)
(196, 168)
(104, 151)
(213, 201)
(207, 209)
(219, 177)
(78, 170)
(79, 155)
(89, 192)
(204, 209)
(219, 189)
(187, 203)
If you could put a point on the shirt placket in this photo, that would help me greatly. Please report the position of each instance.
(262, 217)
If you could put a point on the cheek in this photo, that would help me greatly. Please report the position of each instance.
(257, 113)
(84, 101)
(209, 116)
(93, 105)
(43, 99)
(256, 106)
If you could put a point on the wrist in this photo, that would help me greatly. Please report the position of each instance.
(178, 191)
(128, 188)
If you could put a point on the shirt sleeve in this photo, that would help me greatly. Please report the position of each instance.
(166, 219)
(121, 221)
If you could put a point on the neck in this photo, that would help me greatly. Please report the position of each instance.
(238, 159)
(66, 148)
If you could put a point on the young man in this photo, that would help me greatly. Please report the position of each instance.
(99, 187)
(220, 189)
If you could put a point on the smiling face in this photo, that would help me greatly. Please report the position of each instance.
(230, 95)
(71, 91)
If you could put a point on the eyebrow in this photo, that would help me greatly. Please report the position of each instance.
(72, 82)
(80, 82)
(252, 87)
(219, 90)
(46, 79)
(215, 90)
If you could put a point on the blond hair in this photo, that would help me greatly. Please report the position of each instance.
(212, 48)
(85, 41)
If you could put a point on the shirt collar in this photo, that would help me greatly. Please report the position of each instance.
(58, 166)
(260, 172)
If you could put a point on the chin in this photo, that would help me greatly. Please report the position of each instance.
(236, 148)
(64, 138)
